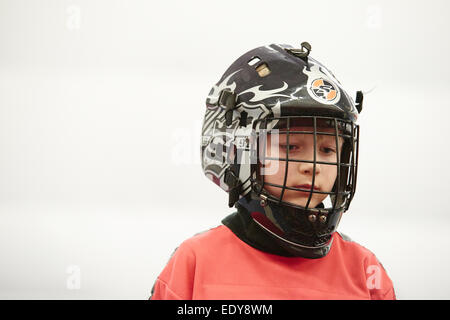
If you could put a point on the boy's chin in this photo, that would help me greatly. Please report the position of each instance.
(300, 199)
(312, 204)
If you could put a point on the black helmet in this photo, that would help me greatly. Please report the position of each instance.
(281, 90)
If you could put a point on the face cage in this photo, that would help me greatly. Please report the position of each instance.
(346, 162)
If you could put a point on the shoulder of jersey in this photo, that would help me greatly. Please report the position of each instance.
(350, 242)
(209, 234)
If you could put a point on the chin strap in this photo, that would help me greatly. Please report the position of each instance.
(295, 249)
(252, 205)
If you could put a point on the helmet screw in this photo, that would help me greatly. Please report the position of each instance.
(263, 201)
(312, 218)
(323, 219)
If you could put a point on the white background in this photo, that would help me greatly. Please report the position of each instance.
(101, 104)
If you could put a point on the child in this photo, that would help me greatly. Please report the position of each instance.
(279, 135)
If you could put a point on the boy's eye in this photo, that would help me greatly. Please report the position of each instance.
(328, 150)
(292, 147)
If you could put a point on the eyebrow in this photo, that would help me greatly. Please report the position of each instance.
(319, 135)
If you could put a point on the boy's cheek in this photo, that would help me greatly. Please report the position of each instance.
(271, 169)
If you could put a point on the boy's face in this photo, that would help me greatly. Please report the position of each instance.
(300, 174)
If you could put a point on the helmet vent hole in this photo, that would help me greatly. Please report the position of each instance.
(254, 61)
(263, 70)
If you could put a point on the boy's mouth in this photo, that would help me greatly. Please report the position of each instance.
(306, 187)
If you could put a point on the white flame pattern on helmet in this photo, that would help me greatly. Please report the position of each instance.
(213, 97)
(260, 95)
(218, 138)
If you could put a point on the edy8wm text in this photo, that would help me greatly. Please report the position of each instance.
(226, 309)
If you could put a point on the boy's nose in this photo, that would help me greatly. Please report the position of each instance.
(307, 168)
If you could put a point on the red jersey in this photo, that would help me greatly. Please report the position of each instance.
(217, 265)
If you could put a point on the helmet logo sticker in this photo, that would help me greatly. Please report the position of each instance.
(324, 89)
(321, 86)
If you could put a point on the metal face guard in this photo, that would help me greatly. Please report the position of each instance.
(304, 225)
